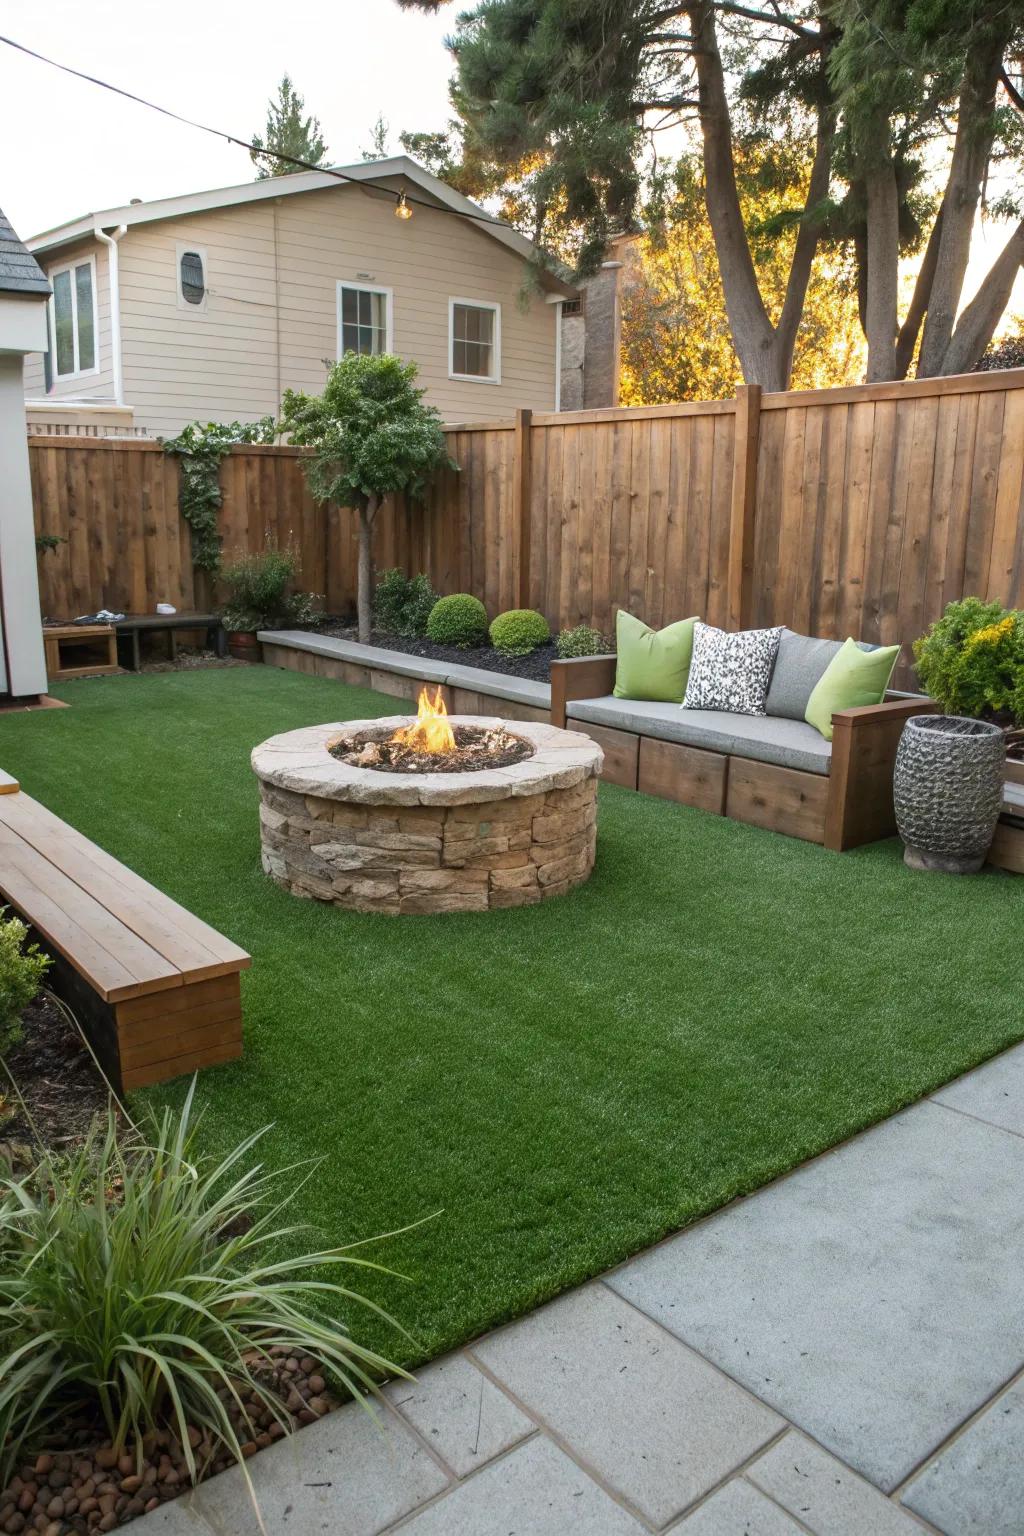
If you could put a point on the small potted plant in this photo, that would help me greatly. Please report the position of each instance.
(948, 782)
(259, 599)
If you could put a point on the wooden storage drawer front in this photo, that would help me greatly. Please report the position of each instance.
(779, 799)
(621, 751)
(687, 774)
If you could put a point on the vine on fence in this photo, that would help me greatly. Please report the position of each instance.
(200, 448)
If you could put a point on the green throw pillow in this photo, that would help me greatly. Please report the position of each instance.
(652, 664)
(853, 677)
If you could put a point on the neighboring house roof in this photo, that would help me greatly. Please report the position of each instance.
(392, 173)
(19, 270)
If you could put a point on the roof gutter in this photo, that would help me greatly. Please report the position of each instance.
(114, 276)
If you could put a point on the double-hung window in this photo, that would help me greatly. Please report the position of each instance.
(73, 320)
(364, 319)
(474, 341)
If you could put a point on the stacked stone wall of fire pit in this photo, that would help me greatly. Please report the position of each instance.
(444, 842)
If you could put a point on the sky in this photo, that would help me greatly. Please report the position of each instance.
(218, 61)
(83, 149)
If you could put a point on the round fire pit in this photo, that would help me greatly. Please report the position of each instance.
(335, 827)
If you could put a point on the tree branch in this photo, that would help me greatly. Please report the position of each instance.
(978, 321)
(807, 238)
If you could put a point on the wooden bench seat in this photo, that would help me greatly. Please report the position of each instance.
(157, 989)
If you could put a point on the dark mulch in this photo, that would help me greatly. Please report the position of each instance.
(536, 666)
(60, 1084)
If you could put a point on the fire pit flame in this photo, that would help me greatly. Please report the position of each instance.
(431, 731)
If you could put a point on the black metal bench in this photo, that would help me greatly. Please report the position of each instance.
(133, 626)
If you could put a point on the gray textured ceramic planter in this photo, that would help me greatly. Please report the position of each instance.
(948, 788)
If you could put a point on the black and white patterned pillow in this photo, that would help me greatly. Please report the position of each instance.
(731, 672)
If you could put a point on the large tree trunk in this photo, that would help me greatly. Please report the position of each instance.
(752, 331)
(364, 580)
(971, 150)
(978, 322)
(883, 250)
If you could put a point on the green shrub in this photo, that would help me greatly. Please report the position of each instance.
(259, 597)
(141, 1282)
(519, 631)
(971, 661)
(581, 641)
(402, 604)
(22, 968)
(458, 620)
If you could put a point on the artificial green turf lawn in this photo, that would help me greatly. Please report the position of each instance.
(565, 1083)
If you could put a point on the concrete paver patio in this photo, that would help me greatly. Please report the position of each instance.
(841, 1353)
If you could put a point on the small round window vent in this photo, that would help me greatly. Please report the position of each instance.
(193, 281)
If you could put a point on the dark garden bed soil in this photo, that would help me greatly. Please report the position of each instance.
(536, 666)
(82, 1485)
(60, 1086)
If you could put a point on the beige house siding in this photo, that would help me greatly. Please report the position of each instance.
(270, 317)
(93, 386)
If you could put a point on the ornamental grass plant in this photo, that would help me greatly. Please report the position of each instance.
(143, 1285)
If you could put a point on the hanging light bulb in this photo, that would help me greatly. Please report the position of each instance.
(402, 209)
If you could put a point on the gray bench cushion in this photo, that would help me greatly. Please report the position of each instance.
(765, 739)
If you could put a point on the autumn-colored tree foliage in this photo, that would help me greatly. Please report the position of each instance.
(676, 340)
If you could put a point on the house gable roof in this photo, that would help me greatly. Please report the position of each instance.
(19, 270)
(390, 174)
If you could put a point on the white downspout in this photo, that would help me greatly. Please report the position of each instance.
(558, 356)
(110, 241)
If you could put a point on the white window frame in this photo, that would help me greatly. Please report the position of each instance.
(389, 310)
(76, 373)
(200, 250)
(475, 378)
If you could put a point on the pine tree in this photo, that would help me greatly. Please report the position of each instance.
(288, 132)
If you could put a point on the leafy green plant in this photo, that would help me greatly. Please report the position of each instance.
(259, 597)
(402, 604)
(519, 631)
(46, 543)
(581, 640)
(971, 661)
(460, 619)
(371, 437)
(22, 968)
(144, 1283)
(200, 449)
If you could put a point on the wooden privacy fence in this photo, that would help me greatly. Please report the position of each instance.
(858, 511)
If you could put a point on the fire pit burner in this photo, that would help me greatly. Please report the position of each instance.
(433, 745)
(436, 834)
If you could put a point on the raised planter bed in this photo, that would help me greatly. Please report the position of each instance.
(466, 690)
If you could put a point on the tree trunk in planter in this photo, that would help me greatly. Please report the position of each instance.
(364, 587)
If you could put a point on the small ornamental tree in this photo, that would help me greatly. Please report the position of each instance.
(371, 437)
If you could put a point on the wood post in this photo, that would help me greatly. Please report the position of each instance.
(521, 489)
(740, 576)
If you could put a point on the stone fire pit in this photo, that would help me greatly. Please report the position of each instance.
(390, 842)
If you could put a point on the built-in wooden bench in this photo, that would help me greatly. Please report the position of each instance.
(157, 990)
(842, 800)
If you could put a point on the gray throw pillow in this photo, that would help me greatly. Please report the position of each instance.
(730, 672)
(800, 664)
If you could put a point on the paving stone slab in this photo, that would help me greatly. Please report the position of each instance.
(739, 1510)
(873, 1297)
(826, 1496)
(345, 1476)
(535, 1491)
(460, 1412)
(178, 1518)
(976, 1487)
(994, 1092)
(656, 1422)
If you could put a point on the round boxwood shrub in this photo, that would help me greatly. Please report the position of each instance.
(519, 631)
(460, 619)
